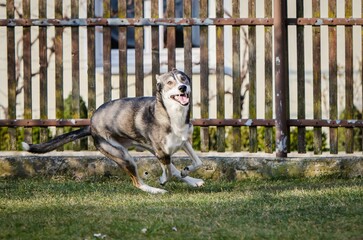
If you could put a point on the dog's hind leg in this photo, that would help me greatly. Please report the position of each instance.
(120, 155)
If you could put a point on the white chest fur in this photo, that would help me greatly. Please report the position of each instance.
(179, 129)
(175, 139)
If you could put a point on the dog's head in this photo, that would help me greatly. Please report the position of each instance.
(175, 86)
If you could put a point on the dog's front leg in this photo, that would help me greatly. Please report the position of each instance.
(195, 182)
(196, 162)
(165, 162)
(166, 174)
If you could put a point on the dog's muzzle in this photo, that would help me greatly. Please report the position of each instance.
(182, 98)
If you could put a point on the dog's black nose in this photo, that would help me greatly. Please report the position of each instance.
(182, 88)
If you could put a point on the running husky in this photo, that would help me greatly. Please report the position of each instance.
(159, 124)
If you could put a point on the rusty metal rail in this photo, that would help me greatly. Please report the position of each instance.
(196, 122)
(325, 21)
(137, 22)
(118, 22)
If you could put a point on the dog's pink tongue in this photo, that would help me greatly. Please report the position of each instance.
(183, 99)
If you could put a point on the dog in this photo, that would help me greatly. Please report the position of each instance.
(160, 124)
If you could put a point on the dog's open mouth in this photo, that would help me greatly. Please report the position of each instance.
(183, 99)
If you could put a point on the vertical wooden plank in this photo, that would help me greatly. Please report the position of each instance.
(11, 74)
(317, 79)
(139, 50)
(27, 72)
(349, 136)
(187, 39)
(75, 69)
(106, 54)
(252, 75)
(187, 34)
(220, 78)
(287, 83)
(333, 70)
(236, 65)
(155, 44)
(122, 48)
(58, 51)
(43, 70)
(91, 67)
(301, 143)
(170, 32)
(204, 75)
(268, 78)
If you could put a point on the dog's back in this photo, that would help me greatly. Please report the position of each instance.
(129, 118)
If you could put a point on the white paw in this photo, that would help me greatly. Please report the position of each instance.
(195, 182)
(152, 190)
(162, 180)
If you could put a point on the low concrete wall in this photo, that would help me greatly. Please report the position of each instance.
(217, 166)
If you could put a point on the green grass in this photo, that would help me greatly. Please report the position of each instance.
(62, 208)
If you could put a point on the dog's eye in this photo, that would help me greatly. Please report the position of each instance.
(183, 78)
(170, 83)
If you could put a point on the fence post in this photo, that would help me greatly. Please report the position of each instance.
(280, 39)
(301, 143)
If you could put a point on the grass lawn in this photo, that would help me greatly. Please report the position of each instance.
(62, 208)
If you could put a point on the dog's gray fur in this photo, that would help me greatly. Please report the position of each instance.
(159, 124)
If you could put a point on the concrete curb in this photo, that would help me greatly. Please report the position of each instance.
(217, 166)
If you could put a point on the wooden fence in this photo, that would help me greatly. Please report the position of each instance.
(274, 132)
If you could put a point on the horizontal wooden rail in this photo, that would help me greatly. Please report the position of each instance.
(325, 21)
(196, 122)
(136, 22)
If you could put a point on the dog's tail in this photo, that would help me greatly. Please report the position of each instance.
(57, 141)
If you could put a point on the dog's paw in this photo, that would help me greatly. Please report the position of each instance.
(162, 181)
(199, 183)
(152, 190)
(195, 182)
